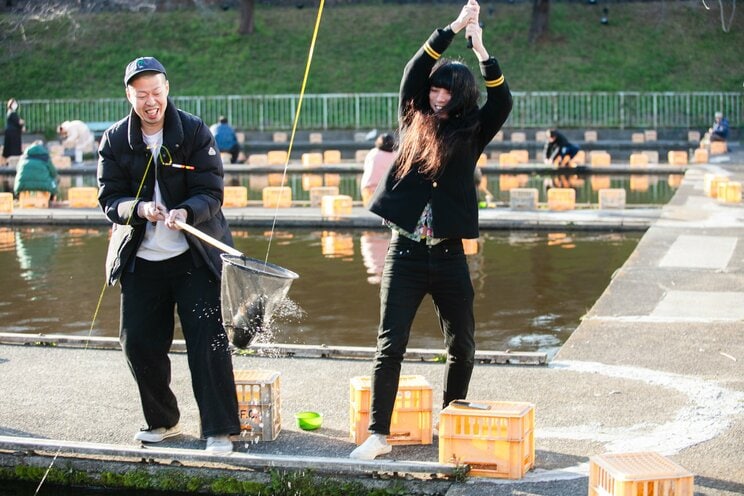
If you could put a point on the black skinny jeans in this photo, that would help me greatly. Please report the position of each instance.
(148, 298)
(413, 269)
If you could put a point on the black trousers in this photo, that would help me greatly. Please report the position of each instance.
(149, 296)
(412, 270)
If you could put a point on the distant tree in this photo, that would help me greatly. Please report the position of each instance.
(540, 16)
(246, 17)
(13, 25)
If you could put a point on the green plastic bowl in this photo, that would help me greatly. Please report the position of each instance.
(309, 421)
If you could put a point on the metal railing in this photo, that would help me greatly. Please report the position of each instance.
(363, 111)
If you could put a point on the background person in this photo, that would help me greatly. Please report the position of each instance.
(376, 164)
(78, 136)
(35, 171)
(14, 127)
(227, 140)
(720, 129)
(172, 155)
(429, 201)
(558, 150)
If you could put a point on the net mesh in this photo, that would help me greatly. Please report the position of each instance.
(251, 292)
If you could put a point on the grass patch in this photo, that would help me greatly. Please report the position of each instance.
(649, 46)
(176, 481)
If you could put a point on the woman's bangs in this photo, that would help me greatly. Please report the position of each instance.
(443, 77)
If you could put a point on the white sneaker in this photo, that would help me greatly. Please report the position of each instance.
(158, 434)
(374, 446)
(219, 444)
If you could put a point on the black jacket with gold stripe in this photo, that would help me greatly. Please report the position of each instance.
(452, 194)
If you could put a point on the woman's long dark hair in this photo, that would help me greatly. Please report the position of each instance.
(427, 139)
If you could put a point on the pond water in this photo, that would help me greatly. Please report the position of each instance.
(531, 287)
(641, 189)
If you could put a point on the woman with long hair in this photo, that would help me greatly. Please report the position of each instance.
(429, 201)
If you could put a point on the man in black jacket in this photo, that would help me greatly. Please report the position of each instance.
(158, 166)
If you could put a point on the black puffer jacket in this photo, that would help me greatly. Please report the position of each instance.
(123, 159)
(453, 197)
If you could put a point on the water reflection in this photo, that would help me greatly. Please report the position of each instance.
(646, 189)
(35, 253)
(531, 287)
(373, 246)
(641, 189)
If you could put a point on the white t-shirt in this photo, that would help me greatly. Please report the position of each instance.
(160, 243)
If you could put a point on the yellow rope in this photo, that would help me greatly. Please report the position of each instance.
(93, 320)
(296, 120)
(131, 213)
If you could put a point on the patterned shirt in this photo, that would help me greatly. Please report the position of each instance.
(422, 231)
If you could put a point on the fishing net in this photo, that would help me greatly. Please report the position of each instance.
(251, 291)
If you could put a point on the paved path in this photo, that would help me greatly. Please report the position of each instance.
(656, 364)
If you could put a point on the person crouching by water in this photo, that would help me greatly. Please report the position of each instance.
(558, 150)
(157, 166)
(35, 171)
(429, 201)
(77, 135)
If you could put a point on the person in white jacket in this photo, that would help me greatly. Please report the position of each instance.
(77, 135)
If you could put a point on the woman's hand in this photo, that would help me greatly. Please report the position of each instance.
(469, 13)
(474, 32)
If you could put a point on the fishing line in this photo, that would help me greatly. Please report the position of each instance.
(129, 219)
(725, 28)
(294, 124)
(95, 315)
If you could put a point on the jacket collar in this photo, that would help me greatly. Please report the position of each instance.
(172, 130)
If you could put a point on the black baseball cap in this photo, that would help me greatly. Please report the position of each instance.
(140, 65)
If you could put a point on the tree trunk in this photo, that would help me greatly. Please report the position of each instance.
(246, 17)
(540, 16)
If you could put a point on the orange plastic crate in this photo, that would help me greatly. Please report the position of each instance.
(561, 199)
(335, 206)
(259, 403)
(718, 147)
(33, 199)
(729, 191)
(411, 421)
(276, 197)
(310, 181)
(497, 442)
(6, 203)
(318, 192)
(310, 159)
(332, 157)
(637, 474)
(677, 157)
(701, 156)
(83, 197)
(235, 197)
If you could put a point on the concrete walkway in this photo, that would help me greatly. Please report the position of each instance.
(656, 364)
